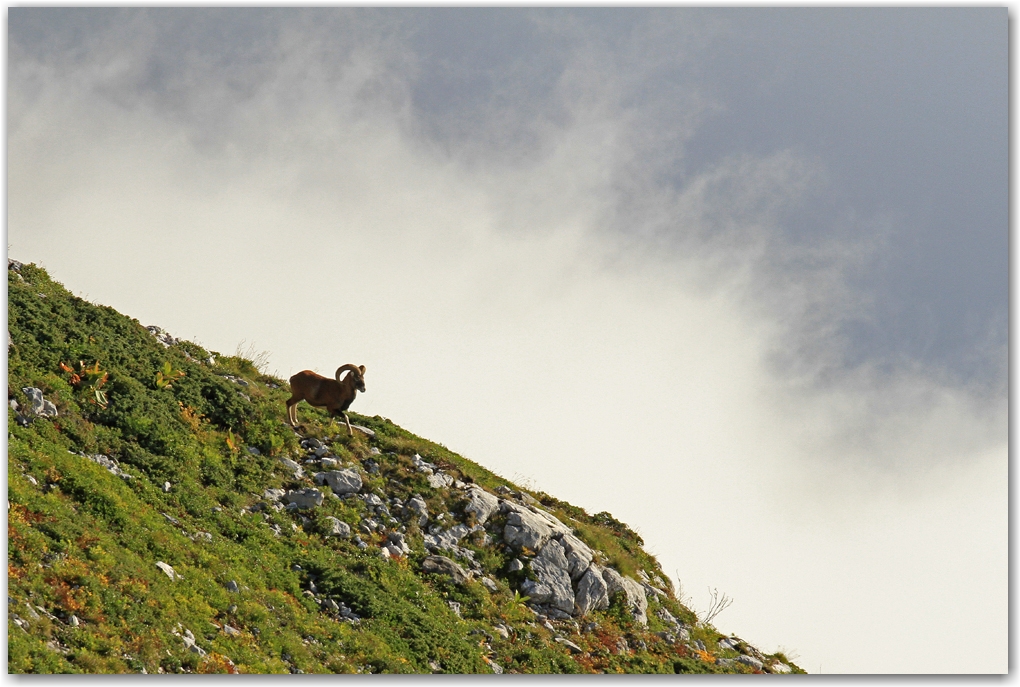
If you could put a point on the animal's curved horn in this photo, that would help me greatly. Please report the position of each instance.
(343, 368)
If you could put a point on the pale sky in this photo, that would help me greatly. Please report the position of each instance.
(739, 277)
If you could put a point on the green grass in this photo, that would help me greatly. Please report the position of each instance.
(83, 542)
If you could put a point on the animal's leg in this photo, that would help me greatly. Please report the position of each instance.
(292, 412)
(348, 421)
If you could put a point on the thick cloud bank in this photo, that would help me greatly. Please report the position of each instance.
(596, 250)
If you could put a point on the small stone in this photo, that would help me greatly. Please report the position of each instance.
(364, 430)
(254, 451)
(489, 584)
(231, 631)
(232, 587)
(455, 607)
(445, 566)
(73, 621)
(334, 527)
(574, 649)
(515, 565)
(170, 572)
(166, 487)
(780, 667)
(293, 467)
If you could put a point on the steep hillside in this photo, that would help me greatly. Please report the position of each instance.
(162, 517)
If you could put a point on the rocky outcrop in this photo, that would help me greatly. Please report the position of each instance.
(635, 593)
(552, 586)
(592, 592)
(162, 336)
(526, 531)
(481, 503)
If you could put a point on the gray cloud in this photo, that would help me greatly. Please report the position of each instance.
(895, 117)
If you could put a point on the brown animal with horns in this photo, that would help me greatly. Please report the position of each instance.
(335, 396)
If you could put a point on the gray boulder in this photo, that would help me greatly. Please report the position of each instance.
(305, 498)
(439, 480)
(40, 406)
(444, 566)
(447, 539)
(634, 592)
(553, 584)
(751, 661)
(526, 530)
(337, 528)
(416, 504)
(340, 481)
(293, 467)
(398, 540)
(592, 592)
(481, 503)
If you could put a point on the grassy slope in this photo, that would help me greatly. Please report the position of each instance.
(84, 542)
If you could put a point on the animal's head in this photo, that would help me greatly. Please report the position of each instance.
(356, 373)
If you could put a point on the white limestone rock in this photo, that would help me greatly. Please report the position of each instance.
(579, 556)
(635, 593)
(293, 467)
(337, 528)
(481, 503)
(592, 592)
(168, 569)
(345, 481)
(553, 584)
(305, 498)
(524, 529)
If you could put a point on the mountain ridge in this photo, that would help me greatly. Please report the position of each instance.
(162, 517)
